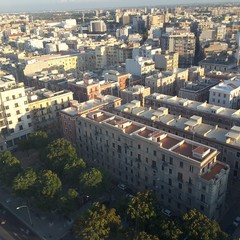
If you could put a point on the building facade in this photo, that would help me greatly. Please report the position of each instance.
(183, 174)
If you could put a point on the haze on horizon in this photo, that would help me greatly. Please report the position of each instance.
(51, 5)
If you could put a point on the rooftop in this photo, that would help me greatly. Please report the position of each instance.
(170, 142)
(216, 169)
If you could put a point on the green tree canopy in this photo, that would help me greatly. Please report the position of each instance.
(141, 208)
(73, 170)
(168, 229)
(91, 179)
(59, 153)
(145, 236)
(198, 226)
(23, 183)
(97, 224)
(38, 139)
(9, 167)
(49, 184)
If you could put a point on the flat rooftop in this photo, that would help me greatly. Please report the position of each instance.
(194, 105)
(216, 169)
(179, 145)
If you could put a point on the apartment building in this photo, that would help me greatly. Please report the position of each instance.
(15, 119)
(226, 94)
(183, 43)
(84, 90)
(184, 174)
(62, 63)
(218, 62)
(123, 79)
(70, 115)
(225, 141)
(112, 54)
(198, 90)
(169, 82)
(146, 51)
(167, 61)
(44, 106)
(140, 66)
(98, 26)
(136, 92)
(211, 114)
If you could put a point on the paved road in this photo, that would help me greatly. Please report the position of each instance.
(13, 228)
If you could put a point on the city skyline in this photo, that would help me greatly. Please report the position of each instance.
(28, 6)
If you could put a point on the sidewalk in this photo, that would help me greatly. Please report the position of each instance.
(47, 226)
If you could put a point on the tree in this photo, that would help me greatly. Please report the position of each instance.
(59, 153)
(9, 167)
(24, 183)
(97, 224)
(141, 208)
(68, 202)
(38, 140)
(145, 236)
(91, 179)
(49, 184)
(198, 226)
(73, 170)
(168, 229)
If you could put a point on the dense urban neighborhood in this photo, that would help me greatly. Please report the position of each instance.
(120, 123)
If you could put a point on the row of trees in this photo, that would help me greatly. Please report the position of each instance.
(57, 181)
(143, 222)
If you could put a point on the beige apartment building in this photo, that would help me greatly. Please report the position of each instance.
(167, 82)
(211, 114)
(136, 92)
(70, 115)
(227, 142)
(167, 61)
(184, 174)
(45, 105)
(74, 63)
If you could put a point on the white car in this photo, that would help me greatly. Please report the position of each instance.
(129, 196)
(122, 186)
(236, 221)
(167, 212)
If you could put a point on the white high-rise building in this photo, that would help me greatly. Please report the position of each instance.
(15, 120)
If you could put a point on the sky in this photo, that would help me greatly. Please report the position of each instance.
(41, 5)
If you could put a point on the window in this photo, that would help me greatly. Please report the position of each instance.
(28, 116)
(6, 107)
(180, 176)
(202, 197)
(19, 119)
(16, 104)
(170, 171)
(20, 127)
(17, 112)
(154, 153)
(154, 165)
(181, 164)
(13, 97)
(171, 160)
(10, 122)
(7, 98)
(191, 168)
(189, 190)
(170, 182)
(139, 146)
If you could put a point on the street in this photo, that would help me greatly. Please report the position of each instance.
(12, 228)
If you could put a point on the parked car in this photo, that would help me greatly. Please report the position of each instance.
(166, 212)
(2, 221)
(236, 221)
(122, 186)
(129, 196)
